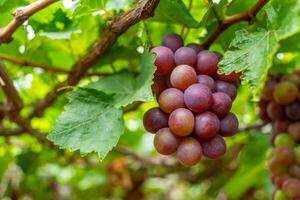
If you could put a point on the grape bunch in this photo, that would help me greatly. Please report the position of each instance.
(280, 106)
(194, 102)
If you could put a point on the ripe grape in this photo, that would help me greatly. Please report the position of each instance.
(213, 148)
(207, 125)
(228, 88)
(155, 119)
(285, 93)
(276, 168)
(295, 171)
(181, 122)
(164, 60)
(294, 131)
(172, 41)
(275, 111)
(189, 151)
(292, 111)
(183, 76)
(229, 125)
(293, 78)
(280, 126)
(221, 104)
(284, 155)
(233, 76)
(159, 85)
(165, 142)
(220, 56)
(291, 188)
(171, 99)
(208, 81)
(207, 63)
(198, 97)
(284, 140)
(185, 56)
(196, 47)
(267, 93)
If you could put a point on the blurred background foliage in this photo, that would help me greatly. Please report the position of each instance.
(59, 36)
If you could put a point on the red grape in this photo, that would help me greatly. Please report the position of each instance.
(229, 125)
(207, 125)
(293, 78)
(213, 148)
(221, 104)
(267, 93)
(294, 131)
(185, 56)
(164, 60)
(155, 119)
(285, 93)
(208, 81)
(181, 122)
(165, 142)
(207, 63)
(183, 76)
(275, 111)
(291, 187)
(198, 97)
(228, 88)
(196, 47)
(172, 41)
(233, 76)
(284, 155)
(159, 84)
(171, 99)
(292, 111)
(189, 151)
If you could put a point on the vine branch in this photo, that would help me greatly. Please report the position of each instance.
(20, 16)
(248, 15)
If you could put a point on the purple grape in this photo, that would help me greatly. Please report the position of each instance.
(189, 151)
(155, 119)
(228, 88)
(196, 47)
(185, 56)
(275, 111)
(207, 125)
(292, 111)
(181, 122)
(208, 81)
(229, 125)
(221, 104)
(213, 148)
(165, 142)
(172, 41)
(171, 99)
(207, 63)
(164, 60)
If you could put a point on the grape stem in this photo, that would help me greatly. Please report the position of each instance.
(252, 127)
(248, 15)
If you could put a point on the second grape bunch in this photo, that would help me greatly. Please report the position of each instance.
(194, 102)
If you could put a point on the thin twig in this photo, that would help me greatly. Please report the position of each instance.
(252, 127)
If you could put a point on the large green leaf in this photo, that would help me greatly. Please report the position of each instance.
(90, 123)
(174, 11)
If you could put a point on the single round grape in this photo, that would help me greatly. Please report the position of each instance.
(207, 63)
(213, 148)
(229, 125)
(185, 56)
(228, 88)
(280, 126)
(208, 81)
(219, 55)
(164, 61)
(279, 180)
(292, 111)
(159, 84)
(294, 131)
(171, 99)
(295, 171)
(196, 47)
(284, 140)
(165, 142)
(221, 104)
(183, 76)
(267, 93)
(293, 78)
(284, 155)
(276, 168)
(154, 119)
(181, 122)
(279, 195)
(198, 97)
(285, 93)
(233, 76)
(173, 41)
(291, 188)
(207, 125)
(275, 111)
(189, 152)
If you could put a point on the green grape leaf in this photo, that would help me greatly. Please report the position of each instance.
(125, 88)
(90, 123)
(174, 11)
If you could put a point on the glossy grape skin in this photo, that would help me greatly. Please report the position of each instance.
(171, 99)
(207, 63)
(198, 97)
(221, 104)
(159, 85)
(284, 155)
(276, 168)
(213, 148)
(196, 47)
(208, 81)
(219, 55)
(173, 41)
(294, 131)
(164, 61)
(275, 111)
(165, 142)
(267, 93)
(285, 93)
(291, 188)
(292, 111)
(185, 56)
(229, 125)
(183, 76)
(181, 122)
(228, 88)
(233, 76)
(154, 119)
(189, 152)
(207, 125)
